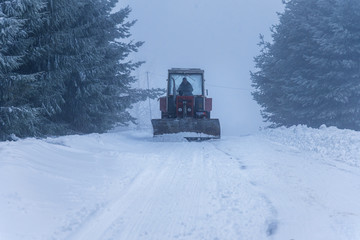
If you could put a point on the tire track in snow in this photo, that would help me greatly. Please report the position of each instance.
(100, 222)
(111, 219)
(271, 223)
(196, 191)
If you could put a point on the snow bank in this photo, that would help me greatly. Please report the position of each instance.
(330, 143)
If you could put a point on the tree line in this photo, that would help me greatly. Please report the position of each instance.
(64, 67)
(310, 72)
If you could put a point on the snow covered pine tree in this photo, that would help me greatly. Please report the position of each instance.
(86, 65)
(310, 73)
(76, 58)
(18, 114)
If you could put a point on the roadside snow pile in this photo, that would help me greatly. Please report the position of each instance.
(329, 142)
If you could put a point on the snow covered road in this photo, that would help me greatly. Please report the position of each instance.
(185, 191)
(127, 186)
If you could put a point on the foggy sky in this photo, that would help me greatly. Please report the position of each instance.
(218, 36)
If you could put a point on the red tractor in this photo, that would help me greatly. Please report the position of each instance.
(185, 108)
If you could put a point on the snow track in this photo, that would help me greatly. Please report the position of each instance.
(194, 191)
(125, 186)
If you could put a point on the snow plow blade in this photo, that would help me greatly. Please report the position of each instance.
(192, 129)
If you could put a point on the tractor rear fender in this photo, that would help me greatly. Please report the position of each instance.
(208, 104)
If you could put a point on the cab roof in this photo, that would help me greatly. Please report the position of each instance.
(186, 70)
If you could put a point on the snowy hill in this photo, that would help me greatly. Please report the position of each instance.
(286, 183)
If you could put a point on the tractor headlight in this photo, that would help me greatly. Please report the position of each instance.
(189, 109)
(180, 109)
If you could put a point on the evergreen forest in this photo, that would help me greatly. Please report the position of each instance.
(64, 67)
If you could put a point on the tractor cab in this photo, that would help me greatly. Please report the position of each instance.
(178, 81)
(185, 95)
(185, 108)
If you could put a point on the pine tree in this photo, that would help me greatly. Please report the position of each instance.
(87, 54)
(309, 74)
(64, 67)
(98, 90)
(18, 116)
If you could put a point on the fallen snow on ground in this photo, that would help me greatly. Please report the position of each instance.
(329, 143)
(286, 183)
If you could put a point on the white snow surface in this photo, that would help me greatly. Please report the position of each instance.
(329, 143)
(286, 183)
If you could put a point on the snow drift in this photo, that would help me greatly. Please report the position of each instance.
(328, 143)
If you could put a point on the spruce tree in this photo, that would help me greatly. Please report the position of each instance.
(18, 115)
(309, 74)
(88, 79)
(64, 67)
(98, 90)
